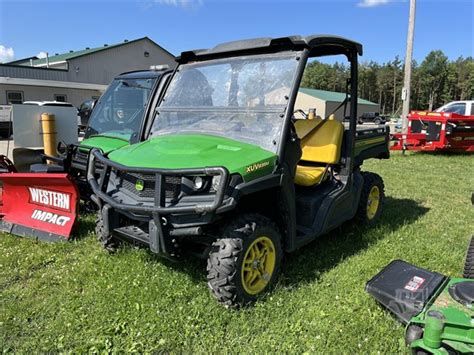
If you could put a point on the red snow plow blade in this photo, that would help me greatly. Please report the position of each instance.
(42, 206)
(437, 131)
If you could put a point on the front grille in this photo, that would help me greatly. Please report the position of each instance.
(172, 185)
(81, 158)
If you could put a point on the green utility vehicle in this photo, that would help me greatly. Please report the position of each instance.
(118, 118)
(120, 115)
(229, 173)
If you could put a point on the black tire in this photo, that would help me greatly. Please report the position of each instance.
(469, 263)
(108, 241)
(226, 259)
(371, 181)
(377, 121)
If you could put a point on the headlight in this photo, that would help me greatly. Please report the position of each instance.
(198, 183)
(216, 180)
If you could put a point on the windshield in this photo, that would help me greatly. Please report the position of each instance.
(120, 110)
(457, 107)
(239, 98)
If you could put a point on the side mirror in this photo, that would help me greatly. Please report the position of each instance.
(61, 147)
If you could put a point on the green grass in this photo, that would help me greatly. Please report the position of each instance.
(74, 296)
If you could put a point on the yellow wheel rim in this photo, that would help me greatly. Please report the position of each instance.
(373, 202)
(258, 265)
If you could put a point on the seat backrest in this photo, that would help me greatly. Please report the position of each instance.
(303, 127)
(323, 145)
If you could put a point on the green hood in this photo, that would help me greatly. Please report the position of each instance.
(106, 143)
(197, 151)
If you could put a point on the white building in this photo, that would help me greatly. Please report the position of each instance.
(77, 75)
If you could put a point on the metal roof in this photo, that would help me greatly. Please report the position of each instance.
(22, 60)
(319, 45)
(74, 54)
(331, 96)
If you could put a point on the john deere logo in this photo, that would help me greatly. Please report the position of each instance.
(139, 185)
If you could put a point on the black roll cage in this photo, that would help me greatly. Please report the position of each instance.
(310, 47)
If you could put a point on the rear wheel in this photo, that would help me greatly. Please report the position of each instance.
(372, 199)
(469, 263)
(245, 262)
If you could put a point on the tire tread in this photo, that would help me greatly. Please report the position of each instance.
(469, 263)
(222, 263)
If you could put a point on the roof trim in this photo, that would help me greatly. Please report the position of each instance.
(26, 60)
(28, 67)
(319, 45)
(52, 63)
(52, 83)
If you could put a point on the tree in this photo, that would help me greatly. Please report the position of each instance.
(435, 81)
(433, 71)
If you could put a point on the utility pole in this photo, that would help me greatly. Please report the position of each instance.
(407, 81)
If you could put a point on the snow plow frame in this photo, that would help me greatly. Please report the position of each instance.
(40, 206)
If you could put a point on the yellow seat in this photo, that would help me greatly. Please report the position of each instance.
(309, 175)
(303, 127)
(320, 147)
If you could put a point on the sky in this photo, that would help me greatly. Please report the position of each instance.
(32, 27)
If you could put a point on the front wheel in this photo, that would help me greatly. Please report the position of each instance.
(372, 199)
(108, 241)
(245, 262)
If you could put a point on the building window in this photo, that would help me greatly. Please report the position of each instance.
(60, 98)
(146, 54)
(14, 97)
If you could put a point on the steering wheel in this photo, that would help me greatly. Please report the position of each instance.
(120, 116)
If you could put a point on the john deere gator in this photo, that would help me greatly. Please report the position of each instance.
(228, 170)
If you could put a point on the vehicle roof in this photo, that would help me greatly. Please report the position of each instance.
(459, 102)
(142, 74)
(48, 103)
(319, 45)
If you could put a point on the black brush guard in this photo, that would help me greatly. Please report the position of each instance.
(159, 236)
(99, 186)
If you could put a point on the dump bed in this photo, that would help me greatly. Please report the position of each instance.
(371, 143)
